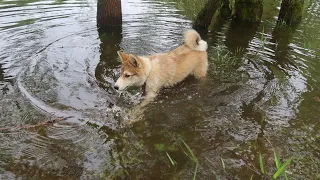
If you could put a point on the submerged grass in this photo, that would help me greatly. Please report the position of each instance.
(261, 164)
(162, 148)
(262, 38)
(276, 159)
(193, 158)
(172, 161)
(282, 169)
(251, 177)
(226, 63)
(223, 164)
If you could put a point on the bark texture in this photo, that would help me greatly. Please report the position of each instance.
(204, 18)
(109, 13)
(249, 10)
(291, 11)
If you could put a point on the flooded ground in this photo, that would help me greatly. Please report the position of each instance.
(262, 95)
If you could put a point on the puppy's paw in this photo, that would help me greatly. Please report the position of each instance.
(134, 115)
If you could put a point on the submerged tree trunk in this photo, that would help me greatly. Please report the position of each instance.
(291, 11)
(109, 13)
(249, 10)
(225, 10)
(203, 19)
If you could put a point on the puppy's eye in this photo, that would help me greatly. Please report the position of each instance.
(126, 75)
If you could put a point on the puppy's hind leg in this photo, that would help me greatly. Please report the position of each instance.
(201, 70)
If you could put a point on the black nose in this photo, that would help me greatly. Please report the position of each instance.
(116, 87)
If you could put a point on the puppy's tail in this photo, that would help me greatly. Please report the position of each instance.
(193, 40)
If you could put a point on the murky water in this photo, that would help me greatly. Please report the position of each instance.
(261, 95)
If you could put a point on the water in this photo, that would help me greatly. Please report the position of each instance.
(261, 94)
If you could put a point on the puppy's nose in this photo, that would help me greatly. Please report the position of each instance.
(116, 87)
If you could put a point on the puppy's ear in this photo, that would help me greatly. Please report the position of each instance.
(134, 61)
(123, 56)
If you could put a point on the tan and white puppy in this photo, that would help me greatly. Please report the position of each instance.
(164, 70)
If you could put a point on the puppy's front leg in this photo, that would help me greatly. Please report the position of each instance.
(137, 111)
(149, 98)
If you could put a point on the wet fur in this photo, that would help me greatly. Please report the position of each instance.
(167, 69)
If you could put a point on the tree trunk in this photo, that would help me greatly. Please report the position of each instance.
(291, 11)
(109, 13)
(225, 10)
(249, 10)
(203, 19)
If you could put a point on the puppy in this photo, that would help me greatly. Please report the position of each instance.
(166, 69)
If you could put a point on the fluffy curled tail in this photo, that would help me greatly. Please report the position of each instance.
(193, 40)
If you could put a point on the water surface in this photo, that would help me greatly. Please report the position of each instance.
(261, 94)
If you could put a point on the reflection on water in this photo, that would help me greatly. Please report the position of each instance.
(1, 73)
(106, 68)
(239, 35)
(260, 94)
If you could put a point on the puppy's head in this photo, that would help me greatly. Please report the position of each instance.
(132, 71)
